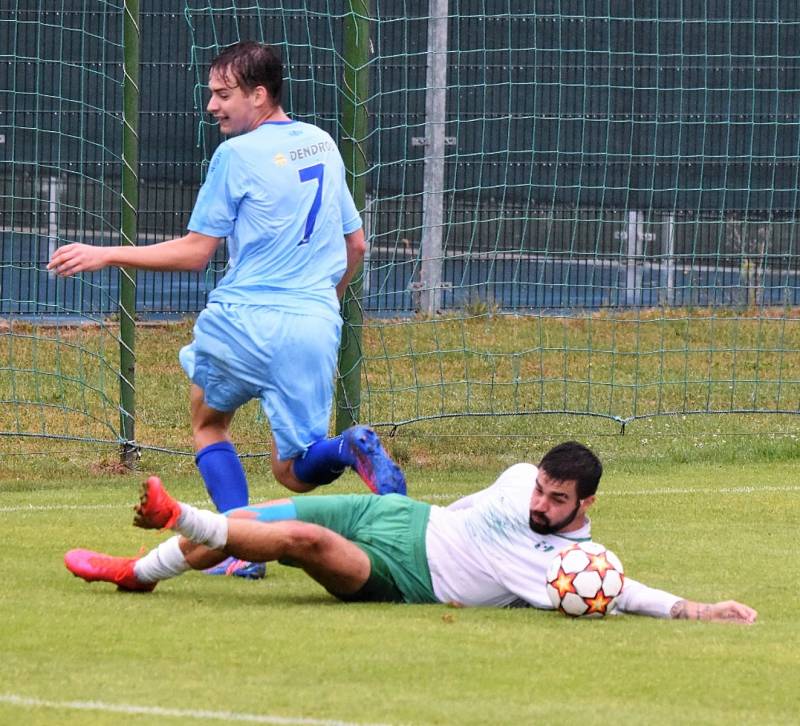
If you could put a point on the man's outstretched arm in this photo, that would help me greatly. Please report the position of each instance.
(728, 611)
(190, 252)
(640, 599)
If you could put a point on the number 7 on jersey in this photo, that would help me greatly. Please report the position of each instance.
(307, 174)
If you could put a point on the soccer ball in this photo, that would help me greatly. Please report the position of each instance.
(584, 580)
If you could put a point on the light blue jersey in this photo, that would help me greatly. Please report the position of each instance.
(278, 193)
(272, 327)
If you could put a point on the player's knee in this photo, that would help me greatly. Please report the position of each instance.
(305, 542)
(283, 472)
(280, 468)
(208, 424)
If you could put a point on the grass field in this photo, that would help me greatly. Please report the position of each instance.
(283, 651)
(704, 506)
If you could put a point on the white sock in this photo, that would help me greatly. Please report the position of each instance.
(202, 526)
(161, 563)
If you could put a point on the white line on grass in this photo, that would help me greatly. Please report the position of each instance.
(131, 709)
(745, 489)
(661, 491)
(59, 507)
(80, 507)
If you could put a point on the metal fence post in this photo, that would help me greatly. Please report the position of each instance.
(130, 204)
(433, 185)
(354, 135)
(633, 263)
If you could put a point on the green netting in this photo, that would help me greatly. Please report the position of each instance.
(622, 175)
(60, 107)
(571, 207)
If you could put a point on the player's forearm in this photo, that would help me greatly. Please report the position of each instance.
(190, 252)
(176, 254)
(728, 611)
(643, 600)
(689, 610)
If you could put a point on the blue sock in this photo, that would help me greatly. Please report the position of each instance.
(223, 475)
(324, 461)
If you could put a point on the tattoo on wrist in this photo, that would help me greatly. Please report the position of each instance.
(679, 611)
(684, 610)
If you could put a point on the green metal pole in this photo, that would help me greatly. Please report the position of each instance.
(130, 204)
(354, 135)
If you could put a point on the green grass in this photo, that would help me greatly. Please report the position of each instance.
(702, 505)
(284, 648)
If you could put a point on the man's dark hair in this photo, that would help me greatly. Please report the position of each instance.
(572, 461)
(251, 64)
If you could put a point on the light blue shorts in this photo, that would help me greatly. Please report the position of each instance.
(287, 361)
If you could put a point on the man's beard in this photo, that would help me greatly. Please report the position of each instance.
(549, 527)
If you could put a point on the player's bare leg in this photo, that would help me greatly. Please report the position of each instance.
(283, 471)
(209, 426)
(336, 563)
(333, 561)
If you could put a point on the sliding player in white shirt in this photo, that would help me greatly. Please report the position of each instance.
(491, 548)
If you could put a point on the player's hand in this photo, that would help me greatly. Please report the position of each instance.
(74, 258)
(730, 611)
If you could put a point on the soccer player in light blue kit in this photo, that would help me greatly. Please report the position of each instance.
(276, 190)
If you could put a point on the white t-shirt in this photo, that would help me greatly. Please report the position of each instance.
(482, 551)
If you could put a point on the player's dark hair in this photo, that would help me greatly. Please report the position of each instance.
(572, 461)
(251, 64)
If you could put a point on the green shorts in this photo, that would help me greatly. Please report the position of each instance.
(390, 529)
